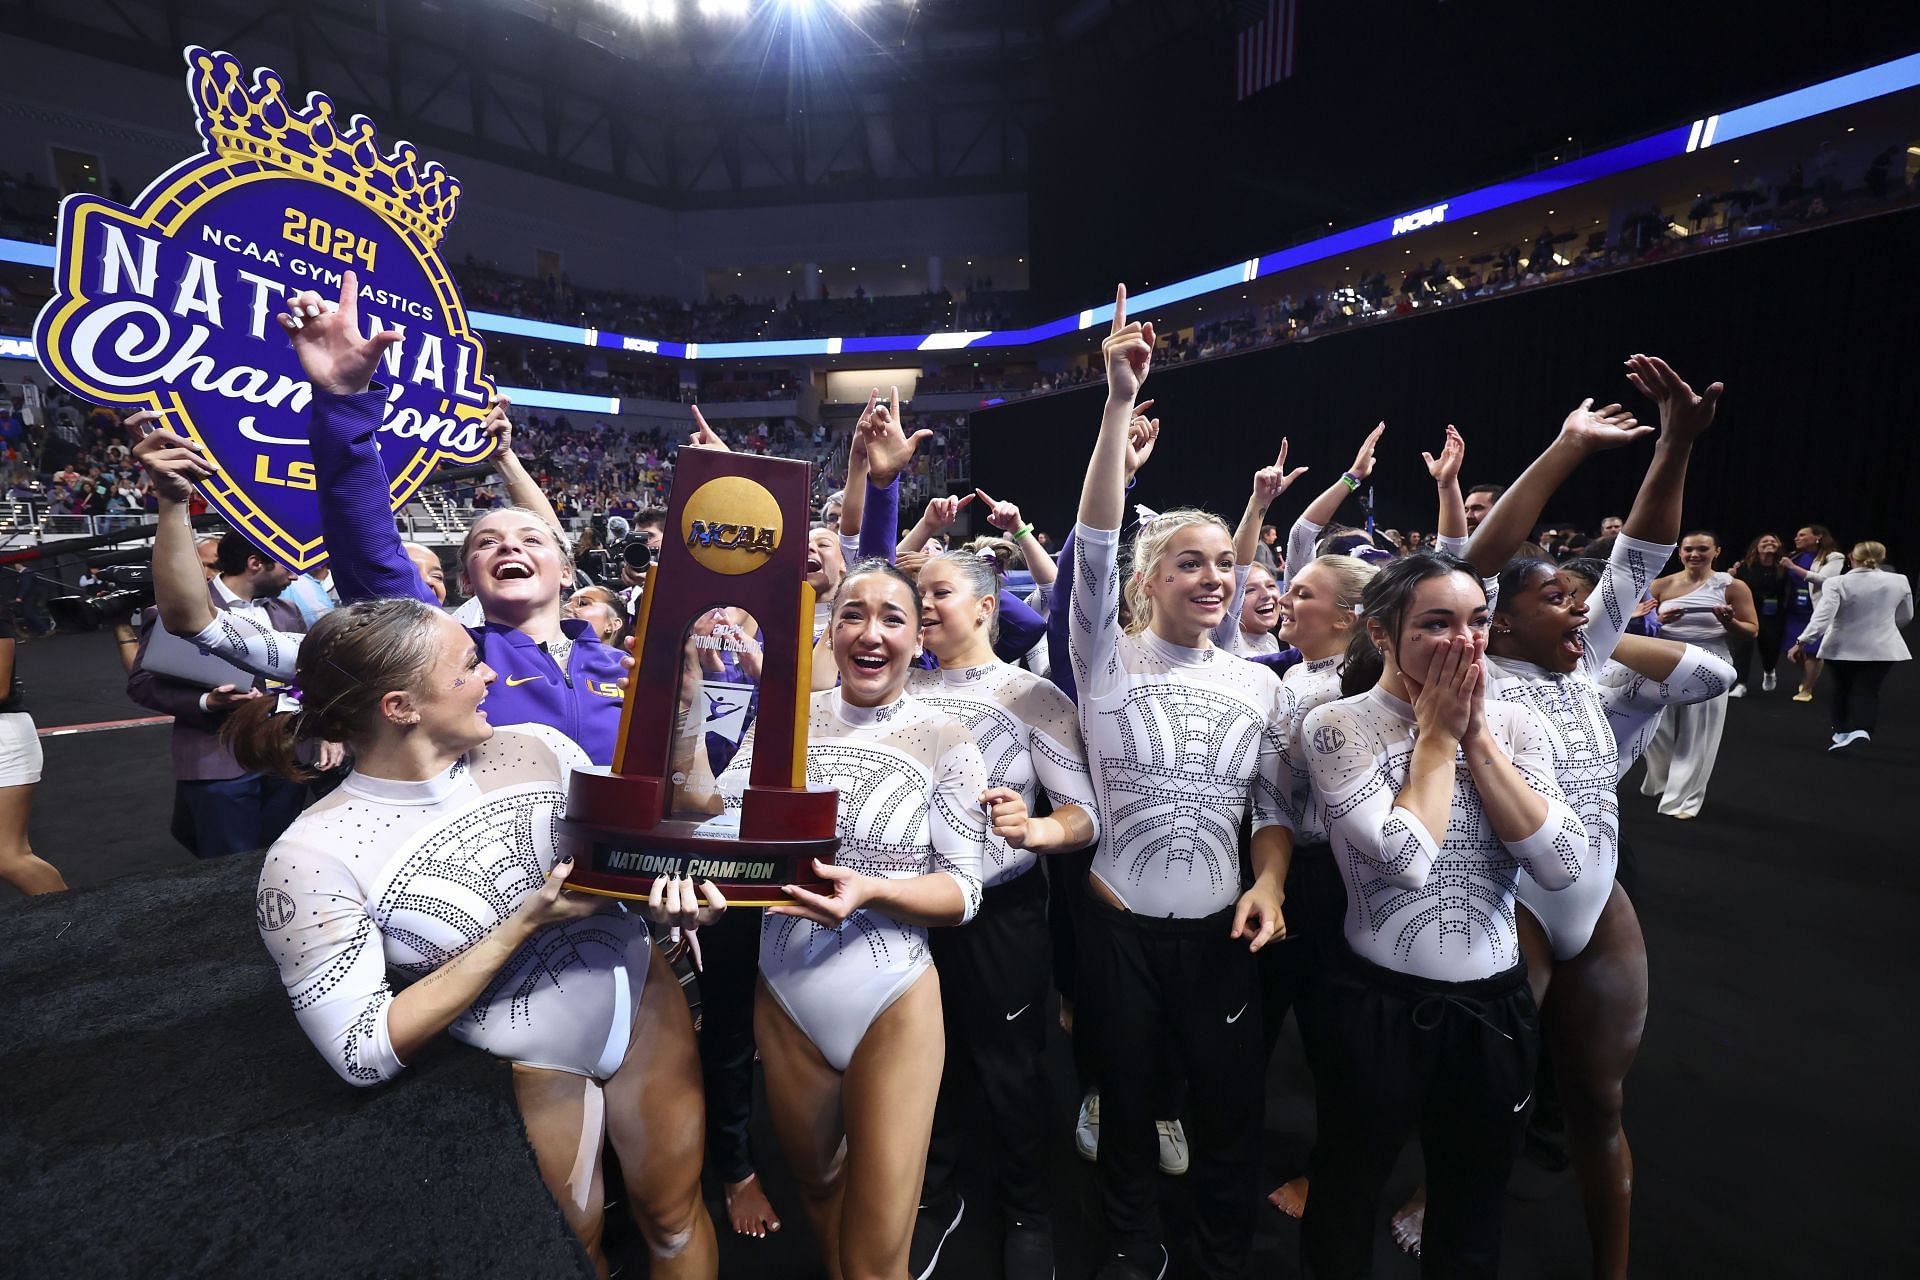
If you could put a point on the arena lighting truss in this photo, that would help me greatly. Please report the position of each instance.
(1699, 135)
(666, 12)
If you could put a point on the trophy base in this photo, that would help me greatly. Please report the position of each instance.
(618, 862)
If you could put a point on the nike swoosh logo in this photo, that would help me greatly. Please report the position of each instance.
(1236, 1017)
(1523, 1102)
(514, 682)
(1017, 1012)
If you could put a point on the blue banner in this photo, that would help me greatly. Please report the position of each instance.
(170, 304)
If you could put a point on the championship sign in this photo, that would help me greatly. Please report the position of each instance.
(169, 305)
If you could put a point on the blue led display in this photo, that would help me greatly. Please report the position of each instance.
(1741, 122)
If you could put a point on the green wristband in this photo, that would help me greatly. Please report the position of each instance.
(1350, 480)
(1022, 532)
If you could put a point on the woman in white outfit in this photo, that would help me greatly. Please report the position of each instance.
(1856, 626)
(1703, 606)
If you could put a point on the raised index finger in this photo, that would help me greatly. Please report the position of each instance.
(1119, 308)
(350, 300)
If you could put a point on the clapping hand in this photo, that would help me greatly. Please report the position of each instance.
(1591, 430)
(1446, 468)
(1128, 350)
(1683, 414)
(326, 337)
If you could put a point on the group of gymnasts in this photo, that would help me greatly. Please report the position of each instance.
(1398, 820)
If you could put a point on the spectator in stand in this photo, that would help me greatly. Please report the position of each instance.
(1610, 525)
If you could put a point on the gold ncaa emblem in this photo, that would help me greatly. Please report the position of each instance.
(731, 524)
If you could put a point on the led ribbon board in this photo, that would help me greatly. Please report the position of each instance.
(170, 304)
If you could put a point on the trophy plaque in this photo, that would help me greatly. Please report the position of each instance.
(724, 631)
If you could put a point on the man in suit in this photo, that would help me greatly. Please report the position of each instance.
(218, 807)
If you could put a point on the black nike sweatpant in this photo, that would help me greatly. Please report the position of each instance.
(1452, 1061)
(1151, 984)
(995, 972)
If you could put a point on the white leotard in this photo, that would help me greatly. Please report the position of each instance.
(1703, 627)
(910, 779)
(249, 643)
(1028, 735)
(1312, 684)
(1439, 909)
(1634, 702)
(1182, 741)
(1586, 760)
(404, 876)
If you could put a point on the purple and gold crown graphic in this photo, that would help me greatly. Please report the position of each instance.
(255, 122)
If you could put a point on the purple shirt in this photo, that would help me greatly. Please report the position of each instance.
(370, 563)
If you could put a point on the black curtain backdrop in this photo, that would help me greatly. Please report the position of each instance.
(1814, 334)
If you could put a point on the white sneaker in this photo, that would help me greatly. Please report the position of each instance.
(1849, 738)
(1766, 682)
(1086, 1131)
(1173, 1147)
(1738, 691)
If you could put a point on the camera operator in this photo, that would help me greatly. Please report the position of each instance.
(219, 807)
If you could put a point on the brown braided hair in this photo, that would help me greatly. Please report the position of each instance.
(354, 656)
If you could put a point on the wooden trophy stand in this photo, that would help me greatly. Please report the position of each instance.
(735, 536)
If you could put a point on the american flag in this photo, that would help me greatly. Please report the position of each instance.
(1263, 48)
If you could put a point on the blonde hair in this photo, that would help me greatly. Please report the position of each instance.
(1868, 555)
(1350, 576)
(561, 540)
(1149, 544)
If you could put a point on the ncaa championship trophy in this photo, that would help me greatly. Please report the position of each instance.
(734, 553)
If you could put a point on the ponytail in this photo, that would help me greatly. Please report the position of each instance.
(1361, 669)
(266, 742)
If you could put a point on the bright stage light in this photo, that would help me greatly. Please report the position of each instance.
(723, 8)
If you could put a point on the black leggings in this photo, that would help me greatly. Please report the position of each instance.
(1766, 646)
(1452, 1061)
(1856, 693)
(1183, 984)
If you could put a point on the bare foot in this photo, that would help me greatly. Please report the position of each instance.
(1410, 1222)
(1290, 1197)
(748, 1209)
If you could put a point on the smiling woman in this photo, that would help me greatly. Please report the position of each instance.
(849, 972)
(556, 670)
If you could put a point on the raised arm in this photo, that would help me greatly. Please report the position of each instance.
(363, 544)
(1128, 353)
(1684, 417)
(522, 490)
(173, 463)
(1005, 516)
(940, 515)
(1585, 431)
(1450, 526)
(1321, 511)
